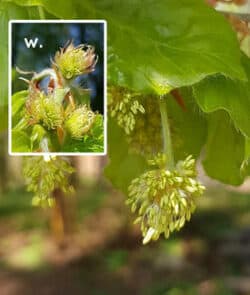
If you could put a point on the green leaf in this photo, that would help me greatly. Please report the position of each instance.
(224, 151)
(123, 166)
(157, 45)
(18, 101)
(38, 133)
(218, 92)
(247, 149)
(188, 126)
(97, 128)
(245, 166)
(61, 9)
(155, 50)
(7, 11)
(20, 142)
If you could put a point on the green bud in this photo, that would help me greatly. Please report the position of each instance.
(51, 113)
(43, 109)
(79, 122)
(74, 61)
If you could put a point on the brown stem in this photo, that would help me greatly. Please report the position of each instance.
(177, 96)
(58, 217)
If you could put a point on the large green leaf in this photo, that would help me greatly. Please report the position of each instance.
(218, 92)
(123, 166)
(245, 168)
(158, 44)
(247, 150)
(225, 150)
(7, 11)
(61, 9)
(189, 126)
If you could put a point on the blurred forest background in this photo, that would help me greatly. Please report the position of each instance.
(88, 244)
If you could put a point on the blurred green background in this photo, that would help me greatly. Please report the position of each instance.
(88, 244)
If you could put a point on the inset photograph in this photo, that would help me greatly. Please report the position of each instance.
(57, 87)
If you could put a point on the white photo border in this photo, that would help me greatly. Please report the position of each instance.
(89, 21)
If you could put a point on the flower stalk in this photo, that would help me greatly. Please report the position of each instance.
(167, 142)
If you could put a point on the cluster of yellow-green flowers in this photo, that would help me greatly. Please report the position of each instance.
(49, 111)
(164, 200)
(79, 122)
(44, 109)
(43, 177)
(55, 108)
(146, 136)
(124, 106)
(73, 61)
(139, 116)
